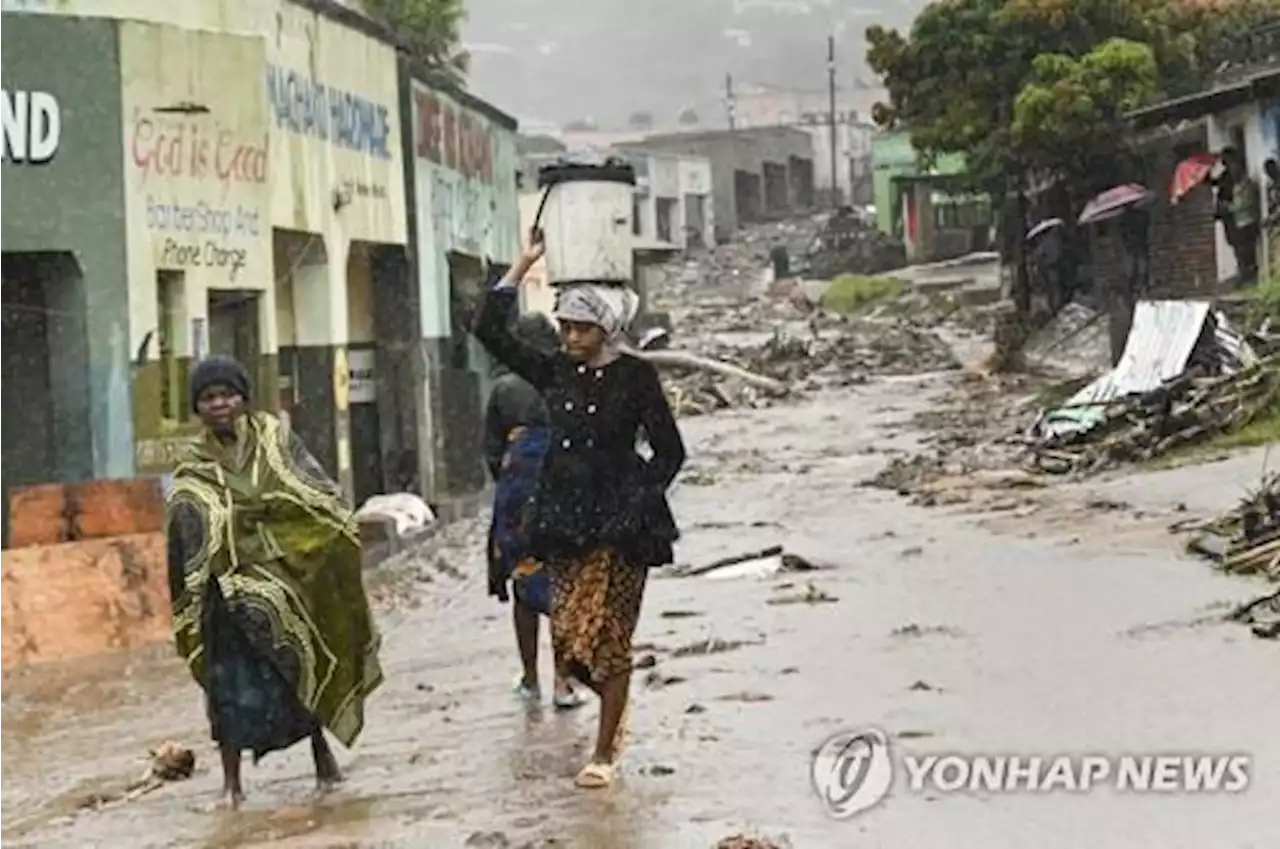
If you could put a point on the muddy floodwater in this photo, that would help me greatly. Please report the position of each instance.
(1073, 627)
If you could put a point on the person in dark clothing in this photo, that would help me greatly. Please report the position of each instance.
(600, 517)
(1245, 211)
(516, 440)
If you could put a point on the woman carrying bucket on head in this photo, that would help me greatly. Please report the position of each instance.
(600, 516)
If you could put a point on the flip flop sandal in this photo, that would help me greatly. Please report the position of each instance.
(525, 692)
(568, 701)
(595, 776)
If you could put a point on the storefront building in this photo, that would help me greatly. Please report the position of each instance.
(241, 185)
(264, 187)
(466, 229)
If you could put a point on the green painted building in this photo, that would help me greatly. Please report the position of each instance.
(893, 156)
(66, 373)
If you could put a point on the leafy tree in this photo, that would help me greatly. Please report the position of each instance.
(430, 29)
(1034, 91)
(1067, 115)
(956, 78)
(687, 118)
(641, 120)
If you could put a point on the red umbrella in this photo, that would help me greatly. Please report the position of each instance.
(1114, 201)
(1190, 173)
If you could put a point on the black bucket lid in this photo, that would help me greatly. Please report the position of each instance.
(609, 171)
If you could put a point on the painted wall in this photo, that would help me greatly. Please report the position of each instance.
(333, 98)
(197, 168)
(893, 155)
(65, 193)
(746, 150)
(332, 94)
(694, 175)
(464, 172)
(664, 176)
(1248, 118)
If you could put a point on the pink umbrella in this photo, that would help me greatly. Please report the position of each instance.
(1190, 173)
(1114, 201)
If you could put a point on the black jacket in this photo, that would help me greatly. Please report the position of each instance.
(594, 489)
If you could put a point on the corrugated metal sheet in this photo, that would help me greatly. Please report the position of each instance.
(1235, 351)
(1160, 342)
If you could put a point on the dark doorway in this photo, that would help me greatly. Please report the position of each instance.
(233, 325)
(775, 188)
(464, 381)
(46, 433)
(748, 197)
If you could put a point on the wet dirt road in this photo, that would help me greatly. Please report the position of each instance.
(1072, 629)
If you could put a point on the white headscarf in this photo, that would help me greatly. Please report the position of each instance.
(611, 308)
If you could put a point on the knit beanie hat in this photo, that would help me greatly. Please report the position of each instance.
(219, 370)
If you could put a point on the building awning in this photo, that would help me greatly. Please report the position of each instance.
(1218, 98)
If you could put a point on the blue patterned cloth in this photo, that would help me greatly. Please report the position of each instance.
(509, 557)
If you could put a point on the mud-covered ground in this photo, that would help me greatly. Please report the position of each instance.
(1012, 620)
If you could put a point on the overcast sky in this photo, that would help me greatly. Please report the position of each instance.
(556, 61)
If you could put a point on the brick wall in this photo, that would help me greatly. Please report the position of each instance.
(1182, 237)
(83, 598)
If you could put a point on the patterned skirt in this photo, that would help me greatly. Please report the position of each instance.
(595, 605)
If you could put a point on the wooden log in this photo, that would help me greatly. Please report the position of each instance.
(694, 571)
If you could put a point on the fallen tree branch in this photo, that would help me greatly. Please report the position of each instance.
(694, 571)
(683, 359)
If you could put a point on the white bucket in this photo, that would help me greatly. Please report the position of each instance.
(586, 216)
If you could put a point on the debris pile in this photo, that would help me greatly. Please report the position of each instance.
(967, 432)
(729, 310)
(743, 263)
(1074, 341)
(846, 245)
(1184, 375)
(845, 353)
(1246, 539)
(1138, 427)
(742, 841)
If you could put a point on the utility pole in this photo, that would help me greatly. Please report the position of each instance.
(728, 99)
(831, 117)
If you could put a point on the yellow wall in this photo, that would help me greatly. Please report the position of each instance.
(195, 149)
(332, 122)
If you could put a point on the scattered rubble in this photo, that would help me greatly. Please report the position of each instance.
(845, 245)
(1139, 427)
(1184, 375)
(967, 433)
(1246, 539)
(742, 841)
(728, 311)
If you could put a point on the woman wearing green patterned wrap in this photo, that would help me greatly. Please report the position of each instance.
(269, 610)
